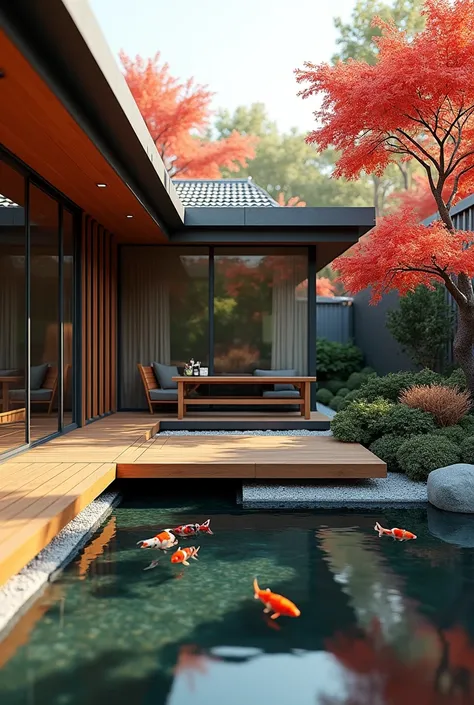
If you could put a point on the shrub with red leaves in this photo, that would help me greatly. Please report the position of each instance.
(447, 404)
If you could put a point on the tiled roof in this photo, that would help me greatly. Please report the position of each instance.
(223, 193)
(7, 202)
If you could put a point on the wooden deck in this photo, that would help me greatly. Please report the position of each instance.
(42, 489)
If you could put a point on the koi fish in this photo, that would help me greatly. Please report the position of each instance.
(192, 529)
(275, 603)
(398, 534)
(164, 540)
(183, 554)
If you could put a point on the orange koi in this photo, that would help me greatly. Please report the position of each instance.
(277, 604)
(164, 541)
(397, 534)
(192, 529)
(183, 554)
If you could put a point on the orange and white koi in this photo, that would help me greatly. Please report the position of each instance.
(277, 604)
(397, 534)
(192, 529)
(183, 554)
(164, 541)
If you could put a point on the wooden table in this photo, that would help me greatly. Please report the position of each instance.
(185, 384)
(5, 382)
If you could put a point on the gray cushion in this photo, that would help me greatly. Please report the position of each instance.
(284, 394)
(37, 375)
(164, 374)
(35, 394)
(11, 373)
(163, 395)
(278, 373)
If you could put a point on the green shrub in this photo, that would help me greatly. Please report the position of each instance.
(456, 434)
(337, 360)
(360, 421)
(403, 421)
(467, 423)
(343, 392)
(324, 396)
(356, 380)
(352, 396)
(390, 386)
(419, 455)
(334, 385)
(368, 371)
(423, 324)
(335, 403)
(467, 450)
(386, 448)
(457, 378)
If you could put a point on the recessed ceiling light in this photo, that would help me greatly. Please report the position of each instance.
(101, 185)
(129, 216)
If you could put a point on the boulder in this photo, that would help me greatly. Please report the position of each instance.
(457, 529)
(452, 488)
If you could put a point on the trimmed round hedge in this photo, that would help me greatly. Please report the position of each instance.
(334, 385)
(386, 448)
(467, 450)
(401, 420)
(343, 392)
(467, 423)
(356, 380)
(390, 386)
(324, 396)
(419, 455)
(456, 434)
(335, 403)
(360, 421)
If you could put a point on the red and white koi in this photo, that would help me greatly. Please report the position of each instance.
(164, 541)
(397, 534)
(182, 555)
(186, 530)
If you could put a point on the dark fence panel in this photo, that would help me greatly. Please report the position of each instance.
(334, 318)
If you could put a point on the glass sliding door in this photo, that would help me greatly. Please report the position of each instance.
(12, 308)
(68, 317)
(44, 313)
(260, 310)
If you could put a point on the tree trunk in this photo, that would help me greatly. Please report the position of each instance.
(463, 347)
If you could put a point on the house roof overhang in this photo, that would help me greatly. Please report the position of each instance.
(68, 113)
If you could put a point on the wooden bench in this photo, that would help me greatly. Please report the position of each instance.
(303, 400)
(150, 384)
(50, 383)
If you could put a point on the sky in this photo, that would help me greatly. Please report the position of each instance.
(244, 51)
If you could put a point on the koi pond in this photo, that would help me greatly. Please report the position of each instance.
(382, 622)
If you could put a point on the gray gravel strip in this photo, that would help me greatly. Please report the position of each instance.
(394, 490)
(298, 432)
(21, 590)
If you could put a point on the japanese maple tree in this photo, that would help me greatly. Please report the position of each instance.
(177, 115)
(416, 103)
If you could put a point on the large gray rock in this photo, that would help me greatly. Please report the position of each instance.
(452, 488)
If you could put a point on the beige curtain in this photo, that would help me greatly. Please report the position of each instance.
(144, 318)
(290, 319)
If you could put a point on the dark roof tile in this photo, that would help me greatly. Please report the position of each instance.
(223, 193)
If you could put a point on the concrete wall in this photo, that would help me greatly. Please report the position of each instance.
(381, 350)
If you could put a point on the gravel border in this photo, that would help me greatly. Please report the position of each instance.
(394, 490)
(25, 587)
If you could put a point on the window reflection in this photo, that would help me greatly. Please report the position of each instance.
(68, 298)
(12, 306)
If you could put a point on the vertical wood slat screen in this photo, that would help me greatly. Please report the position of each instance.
(99, 310)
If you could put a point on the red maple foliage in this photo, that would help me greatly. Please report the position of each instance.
(177, 116)
(415, 103)
(293, 202)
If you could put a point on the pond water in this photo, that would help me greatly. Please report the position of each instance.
(382, 622)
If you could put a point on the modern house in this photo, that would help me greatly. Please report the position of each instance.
(106, 263)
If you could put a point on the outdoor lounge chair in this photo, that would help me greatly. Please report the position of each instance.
(43, 387)
(154, 393)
